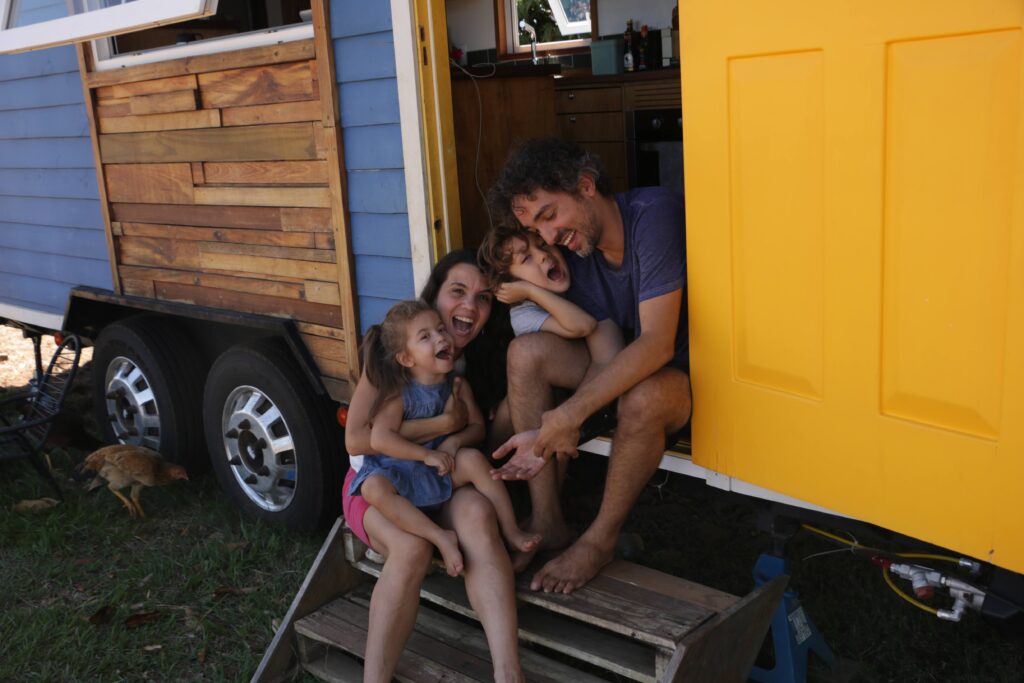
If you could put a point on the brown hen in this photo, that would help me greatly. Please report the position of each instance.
(123, 465)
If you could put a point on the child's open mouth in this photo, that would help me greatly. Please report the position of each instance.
(555, 274)
(444, 354)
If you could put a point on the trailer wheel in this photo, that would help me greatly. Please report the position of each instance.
(268, 439)
(147, 382)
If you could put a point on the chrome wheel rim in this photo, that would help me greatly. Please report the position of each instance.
(259, 448)
(131, 404)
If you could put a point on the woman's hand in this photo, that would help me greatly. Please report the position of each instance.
(513, 292)
(443, 462)
(455, 410)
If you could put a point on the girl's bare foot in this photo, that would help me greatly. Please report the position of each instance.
(448, 544)
(523, 541)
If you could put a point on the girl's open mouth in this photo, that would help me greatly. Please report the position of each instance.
(555, 274)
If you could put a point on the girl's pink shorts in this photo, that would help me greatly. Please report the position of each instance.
(354, 508)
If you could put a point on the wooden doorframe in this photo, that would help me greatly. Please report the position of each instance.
(428, 141)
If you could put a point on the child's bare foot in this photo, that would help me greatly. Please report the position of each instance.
(448, 544)
(523, 541)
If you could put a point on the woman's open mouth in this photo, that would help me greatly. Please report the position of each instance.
(462, 325)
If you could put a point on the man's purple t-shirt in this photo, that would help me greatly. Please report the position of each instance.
(653, 263)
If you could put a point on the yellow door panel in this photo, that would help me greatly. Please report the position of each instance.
(855, 239)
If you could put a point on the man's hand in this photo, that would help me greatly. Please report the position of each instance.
(513, 292)
(558, 435)
(443, 462)
(523, 464)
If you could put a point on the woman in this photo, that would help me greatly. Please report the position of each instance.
(461, 294)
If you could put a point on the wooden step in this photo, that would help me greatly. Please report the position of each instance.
(627, 620)
(610, 651)
(440, 648)
(630, 622)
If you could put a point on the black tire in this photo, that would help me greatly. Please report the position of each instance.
(269, 439)
(147, 386)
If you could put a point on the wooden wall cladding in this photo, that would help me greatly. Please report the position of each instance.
(218, 174)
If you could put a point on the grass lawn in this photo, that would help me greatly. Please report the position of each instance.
(193, 592)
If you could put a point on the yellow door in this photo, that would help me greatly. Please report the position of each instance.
(855, 236)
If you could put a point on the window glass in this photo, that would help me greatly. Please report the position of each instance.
(557, 23)
(34, 24)
(233, 17)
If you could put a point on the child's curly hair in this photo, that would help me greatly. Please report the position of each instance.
(495, 253)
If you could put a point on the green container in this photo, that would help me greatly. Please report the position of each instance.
(606, 56)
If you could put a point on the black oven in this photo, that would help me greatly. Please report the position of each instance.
(654, 148)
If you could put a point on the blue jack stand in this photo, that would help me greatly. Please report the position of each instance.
(794, 635)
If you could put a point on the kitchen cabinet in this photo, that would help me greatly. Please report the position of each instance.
(596, 112)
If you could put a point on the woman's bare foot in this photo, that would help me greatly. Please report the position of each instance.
(523, 541)
(508, 674)
(550, 539)
(448, 544)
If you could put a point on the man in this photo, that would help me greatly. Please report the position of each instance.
(628, 267)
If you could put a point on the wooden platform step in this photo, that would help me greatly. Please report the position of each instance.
(629, 623)
(332, 642)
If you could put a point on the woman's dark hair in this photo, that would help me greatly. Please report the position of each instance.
(381, 344)
(548, 164)
(485, 355)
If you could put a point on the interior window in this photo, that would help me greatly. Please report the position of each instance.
(554, 24)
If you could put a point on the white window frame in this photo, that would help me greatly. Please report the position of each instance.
(103, 61)
(564, 25)
(130, 16)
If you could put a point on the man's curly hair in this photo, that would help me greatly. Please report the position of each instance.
(548, 164)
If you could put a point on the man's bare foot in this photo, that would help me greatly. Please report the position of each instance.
(523, 541)
(448, 544)
(573, 568)
(551, 539)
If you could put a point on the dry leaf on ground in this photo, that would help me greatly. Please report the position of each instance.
(35, 505)
(102, 615)
(140, 618)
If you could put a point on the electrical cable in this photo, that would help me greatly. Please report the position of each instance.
(479, 131)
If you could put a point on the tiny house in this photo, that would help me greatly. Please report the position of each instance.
(224, 204)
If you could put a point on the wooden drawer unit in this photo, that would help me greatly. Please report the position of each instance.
(598, 127)
(574, 100)
(593, 117)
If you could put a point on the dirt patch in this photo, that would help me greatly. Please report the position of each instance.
(17, 358)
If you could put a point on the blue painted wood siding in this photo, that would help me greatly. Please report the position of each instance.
(51, 228)
(364, 54)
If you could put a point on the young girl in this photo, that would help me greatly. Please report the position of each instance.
(408, 358)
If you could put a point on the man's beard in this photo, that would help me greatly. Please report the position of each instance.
(589, 232)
